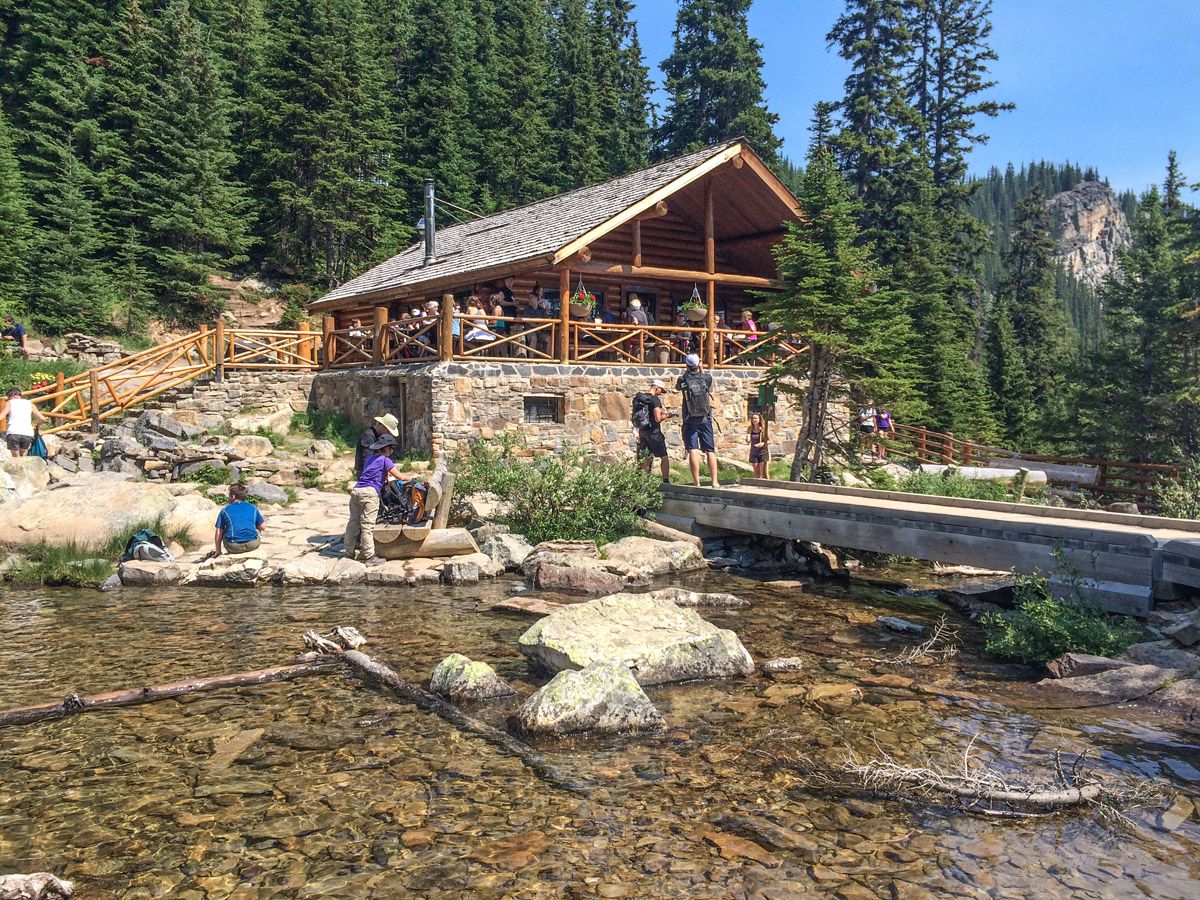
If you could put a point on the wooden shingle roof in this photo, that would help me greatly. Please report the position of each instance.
(532, 234)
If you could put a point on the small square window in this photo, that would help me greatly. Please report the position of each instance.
(545, 410)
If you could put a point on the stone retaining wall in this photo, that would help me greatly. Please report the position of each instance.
(443, 405)
(210, 403)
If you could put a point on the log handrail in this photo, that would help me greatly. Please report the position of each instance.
(1113, 477)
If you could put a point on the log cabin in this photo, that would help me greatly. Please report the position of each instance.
(688, 241)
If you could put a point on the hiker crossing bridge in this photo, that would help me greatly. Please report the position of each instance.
(1125, 562)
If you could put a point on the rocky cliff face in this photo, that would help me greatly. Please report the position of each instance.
(1089, 227)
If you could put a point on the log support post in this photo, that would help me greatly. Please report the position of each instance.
(219, 350)
(202, 344)
(948, 448)
(328, 339)
(710, 266)
(564, 326)
(94, 383)
(379, 334)
(446, 328)
(306, 354)
(637, 243)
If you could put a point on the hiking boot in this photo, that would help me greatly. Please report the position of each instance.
(374, 561)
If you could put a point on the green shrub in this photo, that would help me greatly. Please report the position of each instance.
(565, 497)
(1043, 626)
(210, 475)
(277, 440)
(1180, 498)
(332, 427)
(951, 484)
(18, 371)
(296, 298)
(76, 565)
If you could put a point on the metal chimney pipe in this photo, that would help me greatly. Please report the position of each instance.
(430, 227)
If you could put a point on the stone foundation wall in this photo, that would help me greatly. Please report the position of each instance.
(443, 405)
(210, 404)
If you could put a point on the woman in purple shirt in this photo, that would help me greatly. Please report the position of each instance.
(359, 539)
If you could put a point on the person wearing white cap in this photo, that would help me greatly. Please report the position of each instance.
(696, 387)
(648, 416)
(381, 425)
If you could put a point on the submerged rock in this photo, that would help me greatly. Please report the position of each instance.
(241, 570)
(1116, 685)
(903, 626)
(603, 696)
(658, 641)
(144, 573)
(461, 678)
(1071, 665)
(683, 597)
(784, 664)
(315, 569)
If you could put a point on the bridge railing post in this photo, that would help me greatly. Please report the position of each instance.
(948, 448)
(922, 444)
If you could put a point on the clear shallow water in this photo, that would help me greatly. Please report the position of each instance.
(346, 793)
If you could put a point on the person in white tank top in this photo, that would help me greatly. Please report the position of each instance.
(20, 416)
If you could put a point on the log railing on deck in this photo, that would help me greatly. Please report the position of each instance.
(1100, 477)
(111, 389)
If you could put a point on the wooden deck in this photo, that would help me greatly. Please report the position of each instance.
(1125, 562)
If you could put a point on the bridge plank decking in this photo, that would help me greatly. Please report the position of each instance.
(1124, 561)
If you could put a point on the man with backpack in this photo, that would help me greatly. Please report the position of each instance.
(648, 416)
(696, 387)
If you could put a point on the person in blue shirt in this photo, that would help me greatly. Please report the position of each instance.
(15, 332)
(238, 525)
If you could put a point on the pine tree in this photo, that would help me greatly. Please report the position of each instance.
(1173, 185)
(1143, 400)
(1009, 378)
(15, 225)
(577, 124)
(522, 150)
(69, 284)
(873, 36)
(1039, 326)
(623, 87)
(174, 176)
(859, 335)
(328, 141)
(714, 81)
(945, 83)
(440, 126)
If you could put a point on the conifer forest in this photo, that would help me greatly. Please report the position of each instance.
(148, 145)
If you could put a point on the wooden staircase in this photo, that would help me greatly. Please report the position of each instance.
(85, 400)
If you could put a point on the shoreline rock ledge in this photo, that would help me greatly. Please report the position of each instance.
(656, 640)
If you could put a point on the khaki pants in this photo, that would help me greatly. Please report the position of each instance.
(360, 530)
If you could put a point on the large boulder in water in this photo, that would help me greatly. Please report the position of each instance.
(655, 639)
(643, 557)
(602, 697)
(462, 679)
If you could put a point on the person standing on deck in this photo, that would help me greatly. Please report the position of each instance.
(867, 427)
(359, 539)
(383, 425)
(759, 439)
(884, 427)
(696, 387)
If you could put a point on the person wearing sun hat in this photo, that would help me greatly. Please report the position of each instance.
(359, 539)
(386, 424)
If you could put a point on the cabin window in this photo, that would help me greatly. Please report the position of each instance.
(545, 409)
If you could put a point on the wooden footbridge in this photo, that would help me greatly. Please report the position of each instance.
(1125, 562)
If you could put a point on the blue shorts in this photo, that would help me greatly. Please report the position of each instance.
(698, 435)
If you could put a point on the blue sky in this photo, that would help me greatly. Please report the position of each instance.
(1110, 83)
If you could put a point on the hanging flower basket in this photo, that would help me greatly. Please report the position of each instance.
(582, 302)
(696, 315)
(693, 308)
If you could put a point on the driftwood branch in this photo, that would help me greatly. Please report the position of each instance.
(76, 704)
(431, 702)
(972, 786)
(941, 647)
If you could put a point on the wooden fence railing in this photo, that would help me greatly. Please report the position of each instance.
(1100, 477)
(111, 389)
(108, 390)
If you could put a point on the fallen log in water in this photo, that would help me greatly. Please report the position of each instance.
(340, 644)
(309, 664)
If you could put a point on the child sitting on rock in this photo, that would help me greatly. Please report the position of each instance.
(239, 524)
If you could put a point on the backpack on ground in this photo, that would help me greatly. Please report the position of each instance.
(642, 404)
(696, 403)
(145, 544)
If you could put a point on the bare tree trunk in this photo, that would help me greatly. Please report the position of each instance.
(810, 446)
(76, 704)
